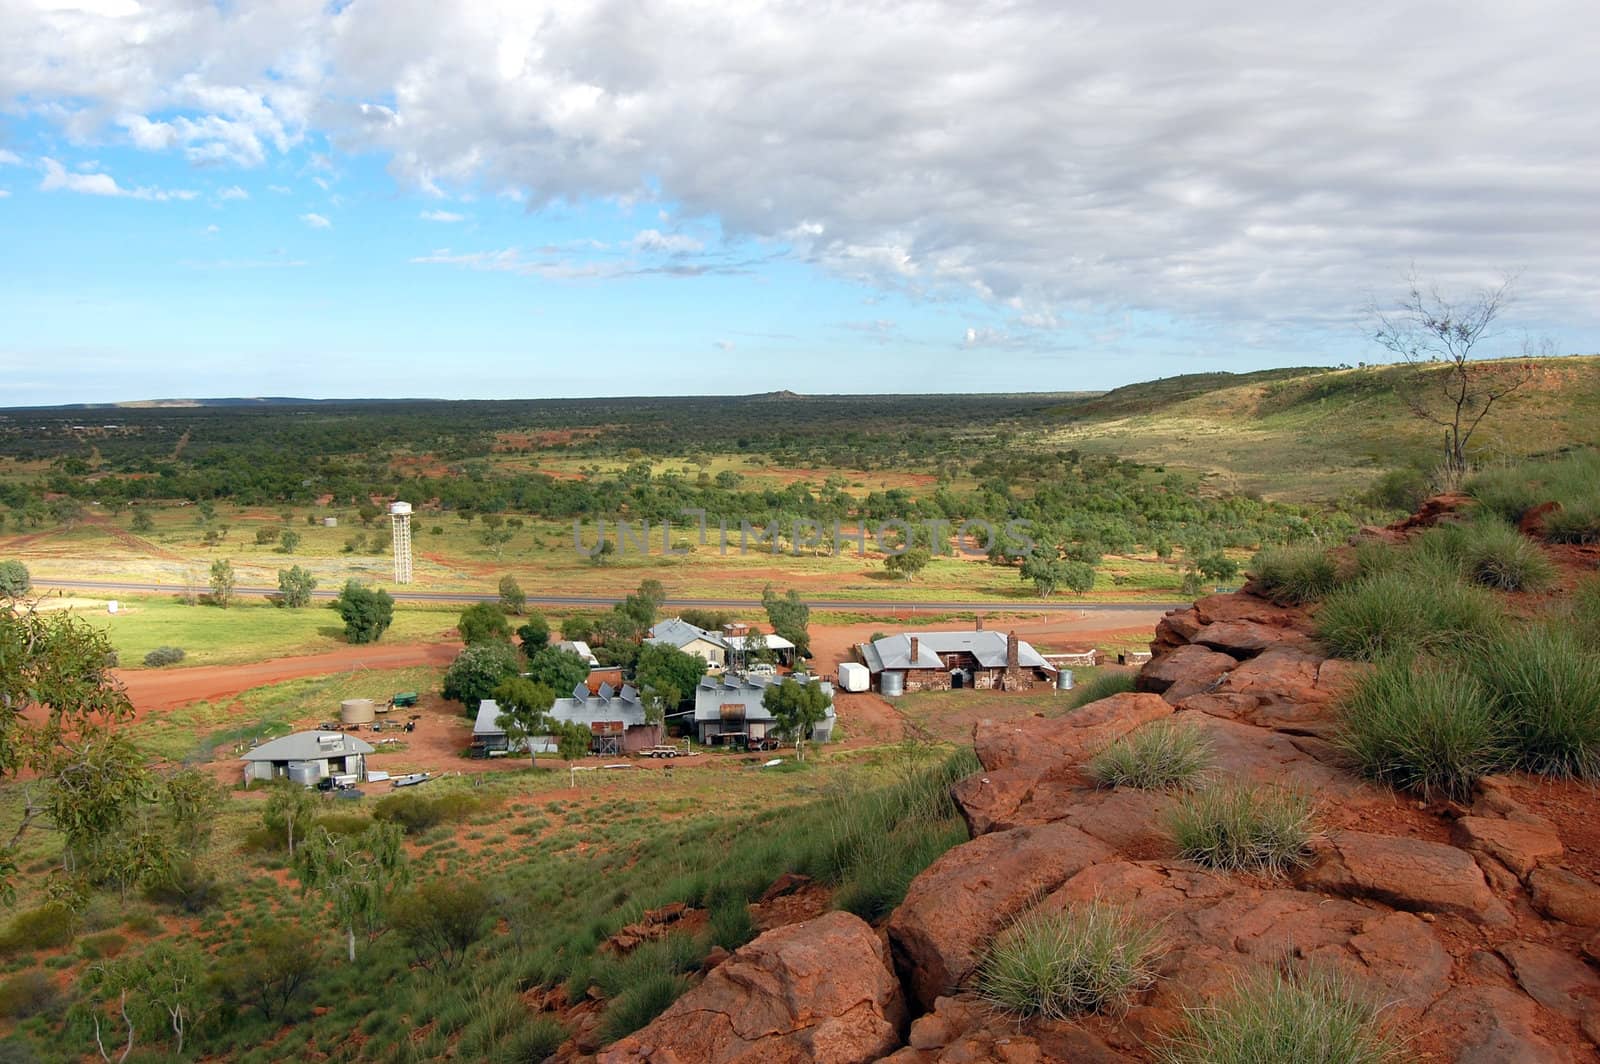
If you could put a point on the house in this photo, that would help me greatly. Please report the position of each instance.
(728, 709)
(580, 648)
(941, 661)
(306, 757)
(614, 717)
(691, 639)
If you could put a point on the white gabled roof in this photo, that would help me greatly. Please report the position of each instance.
(306, 746)
(774, 641)
(676, 632)
(988, 646)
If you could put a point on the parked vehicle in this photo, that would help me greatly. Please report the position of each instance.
(663, 751)
(762, 669)
(404, 700)
(343, 782)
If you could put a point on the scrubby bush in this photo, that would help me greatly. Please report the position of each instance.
(1576, 523)
(1293, 576)
(1237, 827)
(101, 946)
(441, 919)
(28, 993)
(1104, 685)
(1400, 489)
(731, 924)
(533, 1042)
(1405, 612)
(1277, 1017)
(417, 813)
(1545, 687)
(1427, 727)
(188, 888)
(163, 656)
(1085, 958)
(1161, 755)
(50, 925)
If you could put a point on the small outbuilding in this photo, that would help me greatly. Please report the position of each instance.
(940, 661)
(306, 757)
(615, 719)
(729, 709)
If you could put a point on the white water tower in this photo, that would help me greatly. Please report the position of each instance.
(400, 517)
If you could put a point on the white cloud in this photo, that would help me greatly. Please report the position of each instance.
(442, 216)
(213, 230)
(9, 158)
(4, 192)
(233, 192)
(725, 345)
(1201, 160)
(282, 190)
(316, 221)
(669, 243)
(59, 178)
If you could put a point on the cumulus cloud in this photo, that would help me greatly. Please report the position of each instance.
(316, 221)
(9, 158)
(442, 216)
(233, 192)
(1203, 160)
(668, 243)
(95, 183)
(4, 192)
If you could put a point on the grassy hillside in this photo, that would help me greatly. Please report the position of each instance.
(1317, 434)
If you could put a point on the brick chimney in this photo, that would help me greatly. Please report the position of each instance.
(1012, 678)
(914, 649)
(1011, 650)
(980, 622)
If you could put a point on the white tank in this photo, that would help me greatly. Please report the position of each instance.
(854, 676)
(356, 711)
(400, 509)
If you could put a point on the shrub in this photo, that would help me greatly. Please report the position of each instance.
(1425, 727)
(1161, 755)
(50, 925)
(1086, 958)
(163, 656)
(1545, 688)
(1292, 576)
(1277, 1017)
(103, 945)
(731, 923)
(188, 888)
(1237, 827)
(1404, 612)
(1104, 685)
(1495, 555)
(416, 813)
(1400, 489)
(1576, 523)
(641, 1003)
(442, 919)
(27, 994)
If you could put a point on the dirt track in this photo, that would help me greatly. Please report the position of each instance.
(152, 689)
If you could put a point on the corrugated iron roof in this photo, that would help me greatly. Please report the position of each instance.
(306, 746)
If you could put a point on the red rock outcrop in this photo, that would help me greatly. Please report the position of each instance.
(820, 991)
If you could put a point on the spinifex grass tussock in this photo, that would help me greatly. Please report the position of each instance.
(1106, 684)
(1313, 1019)
(1159, 756)
(1405, 612)
(1425, 725)
(1293, 576)
(1492, 554)
(1544, 684)
(1234, 827)
(1091, 957)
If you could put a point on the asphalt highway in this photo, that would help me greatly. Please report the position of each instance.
(402, 595)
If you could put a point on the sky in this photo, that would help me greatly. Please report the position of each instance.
(523, 199)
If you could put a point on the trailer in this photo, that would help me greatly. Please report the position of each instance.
(403, 700)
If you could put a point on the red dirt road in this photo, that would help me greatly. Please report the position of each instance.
(152, 689)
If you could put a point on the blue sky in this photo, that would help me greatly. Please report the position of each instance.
(515, 200)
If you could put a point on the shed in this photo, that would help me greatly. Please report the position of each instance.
(307, 757)
(730, 706)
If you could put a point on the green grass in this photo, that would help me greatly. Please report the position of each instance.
(1294, 576)
(1585, 607)
(1572, 480)
(1102, 685)
(1273, 1018)
(641, 1003)
(1427, 726)
(1234, 827)
(1162, 755)
(1544, 683)
(1092, 957)
(1406, 611)
(1487, 552)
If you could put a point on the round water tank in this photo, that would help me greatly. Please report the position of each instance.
(304, 772)
(892, 684)
(399, 509)
(111, 607)
(356, 711)
(1063, 679)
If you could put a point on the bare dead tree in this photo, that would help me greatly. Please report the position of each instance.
(1440, 337)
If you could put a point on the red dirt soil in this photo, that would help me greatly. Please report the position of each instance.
(152, 689)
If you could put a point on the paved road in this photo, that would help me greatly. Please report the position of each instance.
(1031, 606)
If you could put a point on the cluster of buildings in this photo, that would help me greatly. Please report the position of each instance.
(944, 661)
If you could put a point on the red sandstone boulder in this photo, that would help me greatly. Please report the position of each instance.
(1410, 874)
(1491, 1025)
(1557, 980)
(1520, 847)
(1246, 639)
(1566, 897)
(1193, 664)
(816, 991)
(959, 903)
(1039, 743)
